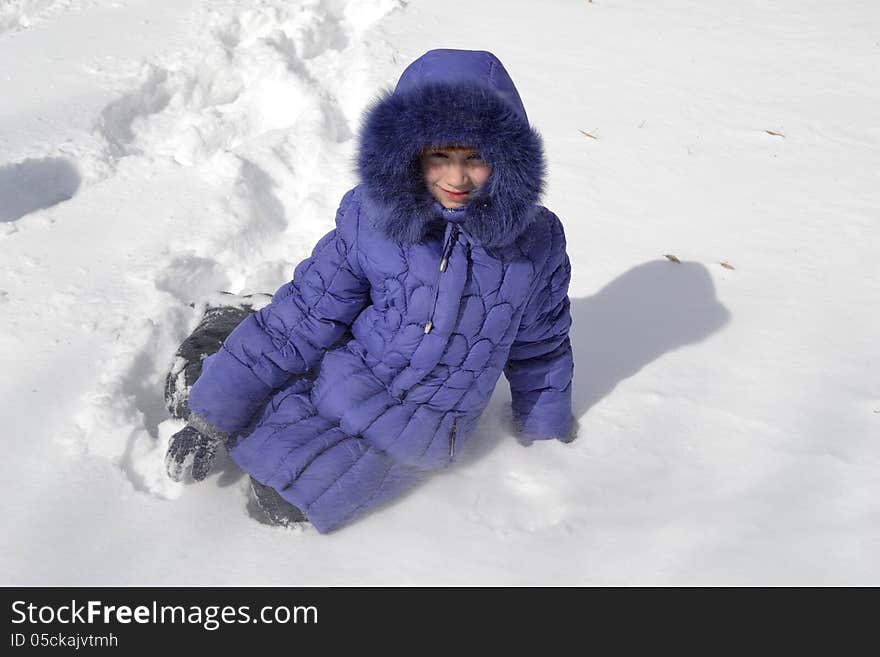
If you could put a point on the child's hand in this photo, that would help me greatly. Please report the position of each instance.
(190, 449)
(193, 448)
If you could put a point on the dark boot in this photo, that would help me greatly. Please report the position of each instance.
(276, 509)
(216, 324)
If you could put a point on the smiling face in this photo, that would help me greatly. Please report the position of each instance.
(451, 174)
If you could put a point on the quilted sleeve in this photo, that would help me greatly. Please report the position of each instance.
(540, 365)
(287, 337)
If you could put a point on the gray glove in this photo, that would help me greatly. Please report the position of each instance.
(193, 448)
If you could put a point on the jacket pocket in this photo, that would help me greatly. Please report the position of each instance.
(452, 439)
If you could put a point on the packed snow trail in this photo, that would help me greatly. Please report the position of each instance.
(259, 109)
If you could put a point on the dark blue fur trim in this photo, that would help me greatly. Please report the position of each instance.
(398, 126)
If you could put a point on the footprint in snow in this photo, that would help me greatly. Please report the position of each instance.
(35, 184)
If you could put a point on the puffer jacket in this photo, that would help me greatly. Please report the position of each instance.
(373, 365)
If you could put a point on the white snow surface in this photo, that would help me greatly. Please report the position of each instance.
(154, 153)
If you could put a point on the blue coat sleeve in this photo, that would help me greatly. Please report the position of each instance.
(540, 365)
(287, 337)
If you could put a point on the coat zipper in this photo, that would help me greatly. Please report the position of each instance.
(444, 262)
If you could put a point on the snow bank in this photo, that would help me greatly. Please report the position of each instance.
(263, 106)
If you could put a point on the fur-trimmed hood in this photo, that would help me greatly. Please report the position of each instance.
(451, 97)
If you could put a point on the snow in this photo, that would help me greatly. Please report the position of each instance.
(153, 154)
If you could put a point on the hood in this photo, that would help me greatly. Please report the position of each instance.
(451, 97)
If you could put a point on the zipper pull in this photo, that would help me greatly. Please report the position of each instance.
(428, 326)
(447, 248)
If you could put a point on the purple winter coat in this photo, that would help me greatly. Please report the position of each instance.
(373, 365)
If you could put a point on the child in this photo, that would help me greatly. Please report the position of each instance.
(371, 368)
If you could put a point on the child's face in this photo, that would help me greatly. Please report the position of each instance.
(451, 174)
